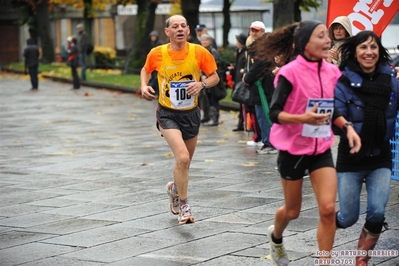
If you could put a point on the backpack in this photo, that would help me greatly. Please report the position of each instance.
(89, 48)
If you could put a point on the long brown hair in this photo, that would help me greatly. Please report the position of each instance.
(280, 42)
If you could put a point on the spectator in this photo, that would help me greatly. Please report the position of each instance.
(367, 95)
(203, 97)
(302, 133)
(249, 113)
(154, 42)
(257, 30)
(178, 118)
(73, 59)
(214, 107)
(237, 71)
(32, 55)
(339, 30)
(201, 29)
(64, 53)
(260, 70)
(190, 39)
(154, 39)
(82, 48)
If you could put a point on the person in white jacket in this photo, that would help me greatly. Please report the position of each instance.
(339, 30)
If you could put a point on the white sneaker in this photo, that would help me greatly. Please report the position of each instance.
(277, 251)
(253, 143)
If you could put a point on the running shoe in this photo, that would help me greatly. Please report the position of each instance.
(277, 251)
(185, 216)
(173, 198)
(266, 150)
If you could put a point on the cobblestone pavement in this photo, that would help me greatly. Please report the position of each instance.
(82, 182)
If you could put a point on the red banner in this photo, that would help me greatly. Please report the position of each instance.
(372, 15)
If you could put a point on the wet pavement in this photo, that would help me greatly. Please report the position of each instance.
(82, 182)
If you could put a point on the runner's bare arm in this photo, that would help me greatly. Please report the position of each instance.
(195, 87)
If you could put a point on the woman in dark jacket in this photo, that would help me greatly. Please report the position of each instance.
(154, 42)
(367, 96)
(73, 60)
(261, 70)
(237, 71)
(214, 106)
(32, 54)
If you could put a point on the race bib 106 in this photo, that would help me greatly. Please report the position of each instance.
(178, 95)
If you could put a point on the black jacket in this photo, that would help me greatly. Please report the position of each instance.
(260, 70)
(73, 56)
(240, 63)
(82, 42)
(31, 54)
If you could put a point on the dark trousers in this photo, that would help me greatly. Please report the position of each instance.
(76, 83)
(212, 101)
(33, 71)
(82, 62)
(204, 104)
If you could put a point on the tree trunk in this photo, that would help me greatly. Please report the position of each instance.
(283, 13)
(135, 60)
(43, 26)
(149, 26)
(297, 11)
(88, 23)
(190, 9)
(88, 19)
(226, 22)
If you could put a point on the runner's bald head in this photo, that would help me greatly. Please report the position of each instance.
(167, 22)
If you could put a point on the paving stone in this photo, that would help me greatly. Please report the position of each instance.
(131, 213)
(237, 261)
(62, 262)
(83, 209)
(53, 202)
(198, 230)
(21, 209)
(96, 236)
(142, 260)
(16, 238)
(31, 252)
(32, 219)
(66, 227)
(121, 249)
(29, 196)
(207, 248)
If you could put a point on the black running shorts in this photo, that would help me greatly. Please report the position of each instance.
(188, 122)
(293, 167)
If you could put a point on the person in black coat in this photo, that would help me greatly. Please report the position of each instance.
(261, 70)
(237, 71)
(201, 29)
(154, 42)
(73, 59)
(214, 106)
(81, 44)
(32, 54)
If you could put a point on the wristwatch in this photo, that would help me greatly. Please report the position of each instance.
(346, 125)
(203, 85)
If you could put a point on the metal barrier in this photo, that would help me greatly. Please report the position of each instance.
(395, 152)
